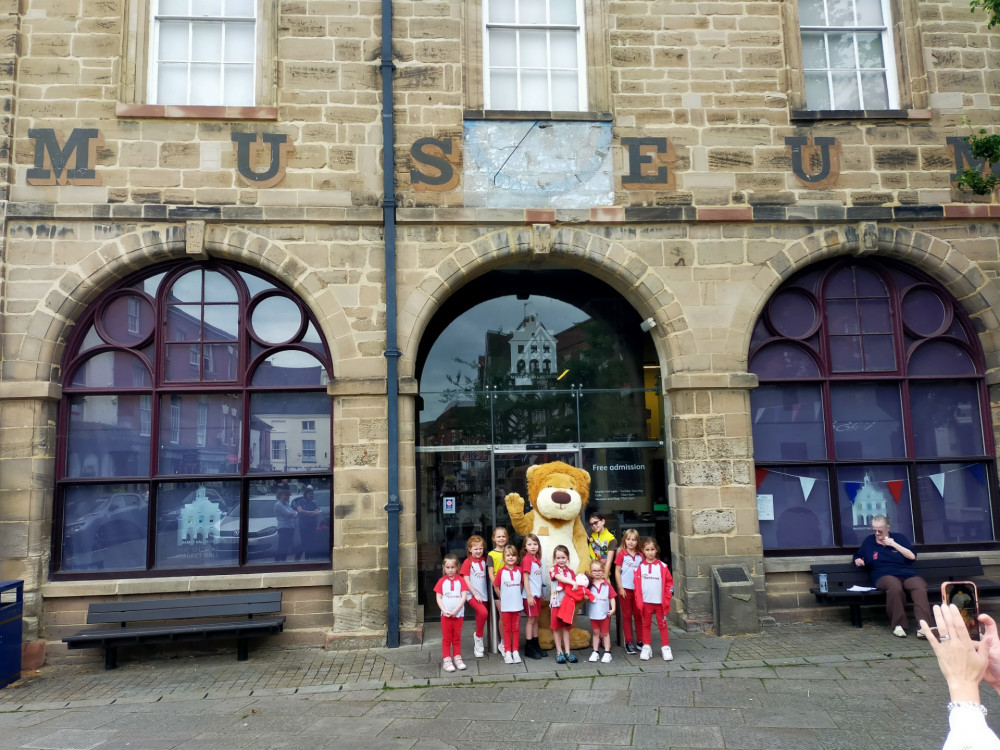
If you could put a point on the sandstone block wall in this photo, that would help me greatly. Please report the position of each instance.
(718, 82)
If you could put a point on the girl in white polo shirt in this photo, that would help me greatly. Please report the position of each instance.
(653, 588)
(599, 610)
(474, 572)
(509, 582)
(452, 592)
(627, 560)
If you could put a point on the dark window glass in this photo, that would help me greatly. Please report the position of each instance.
(947, 420)
(924, 312)
(908, 442)
(793, 314)
(794, 509)
(941, 358)
(867, 421)
(955, 502)
(788, 423)
(105, 437)
(873, 490)
(104, 527)
(209, 460)
(784, 361)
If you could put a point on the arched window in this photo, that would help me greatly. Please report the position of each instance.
(194, 402)
(871, 401)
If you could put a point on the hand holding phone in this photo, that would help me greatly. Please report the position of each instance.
(965, 596)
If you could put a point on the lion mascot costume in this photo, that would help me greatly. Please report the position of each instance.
(558, 494)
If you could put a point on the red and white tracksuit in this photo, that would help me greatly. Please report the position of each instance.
(627, 609)
(653, 589)
(475, 574)
(452, 591)
(510, 581)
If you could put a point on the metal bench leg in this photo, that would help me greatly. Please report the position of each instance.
(242, 649)
(111, 657)
(856, 615)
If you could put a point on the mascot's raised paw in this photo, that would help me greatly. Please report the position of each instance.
(558, 494)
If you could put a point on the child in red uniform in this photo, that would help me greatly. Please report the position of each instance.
(531, 569)
(560, 573)
(494, 561)
(600, 609)
(510, 583)
(452, 592)
(474, 572)
(626, 561)
(653, 588)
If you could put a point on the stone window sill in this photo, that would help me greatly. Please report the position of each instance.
(812, 115)
(185, 112)
(505, 114)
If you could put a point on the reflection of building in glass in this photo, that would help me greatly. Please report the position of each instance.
(870, 501)
(532, 351)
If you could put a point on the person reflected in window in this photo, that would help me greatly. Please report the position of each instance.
(308, 512)
(889, 560)
(285, 516)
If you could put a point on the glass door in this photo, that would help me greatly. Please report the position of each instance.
(510, 466)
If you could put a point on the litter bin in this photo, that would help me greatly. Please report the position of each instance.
(11, 615)
(734, 599)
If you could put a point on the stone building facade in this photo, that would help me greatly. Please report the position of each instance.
(694, 161)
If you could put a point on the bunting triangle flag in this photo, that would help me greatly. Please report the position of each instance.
(807, 486)
(938, 480)
(978, 472)
(761, 476)
(852, 489)
(896, 488)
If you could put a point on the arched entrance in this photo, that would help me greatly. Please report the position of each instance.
(526, 366)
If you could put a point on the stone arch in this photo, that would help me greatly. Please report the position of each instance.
(623, 270)
(40, 354)
(935, 257)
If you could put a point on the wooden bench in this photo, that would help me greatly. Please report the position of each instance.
(842, 576)
(222, 616)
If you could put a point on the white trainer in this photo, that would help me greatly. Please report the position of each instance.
(647, 653)
(668, 655)
(508, 658)
(500, 646)
(477, 647)
(459, 664)
(515, 657)
(899, 632)
(594, 656)
(606, 658)
(449, 665)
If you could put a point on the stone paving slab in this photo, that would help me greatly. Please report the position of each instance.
(807, 686)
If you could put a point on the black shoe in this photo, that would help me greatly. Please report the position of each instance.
(539, 650)
(630, 648)
(532, 651)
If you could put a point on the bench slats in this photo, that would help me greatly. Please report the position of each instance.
(842, 576)
(222, 616)
(226, 605)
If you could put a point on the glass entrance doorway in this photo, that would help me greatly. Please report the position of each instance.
(559, 371)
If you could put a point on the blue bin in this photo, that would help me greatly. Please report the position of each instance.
(11, 617)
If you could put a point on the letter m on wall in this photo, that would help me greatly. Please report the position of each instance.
(53, 159)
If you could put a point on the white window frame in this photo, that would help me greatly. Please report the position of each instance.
(888, 55)
(145, 415)
(226, 21)
(309, 425)
(489, 64)
(278, 448)
(175, 420)
(202, 422)
(134, 315)
(309, 453)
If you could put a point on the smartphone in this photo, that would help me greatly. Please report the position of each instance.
(965, 596)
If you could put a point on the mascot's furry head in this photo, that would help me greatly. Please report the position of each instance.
(557, 490)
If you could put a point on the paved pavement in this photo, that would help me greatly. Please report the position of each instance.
(816, 685)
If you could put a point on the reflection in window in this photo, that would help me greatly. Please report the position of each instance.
(900, 423)
(194, 316)
(105, 527)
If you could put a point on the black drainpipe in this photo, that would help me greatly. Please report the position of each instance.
(392, 353)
